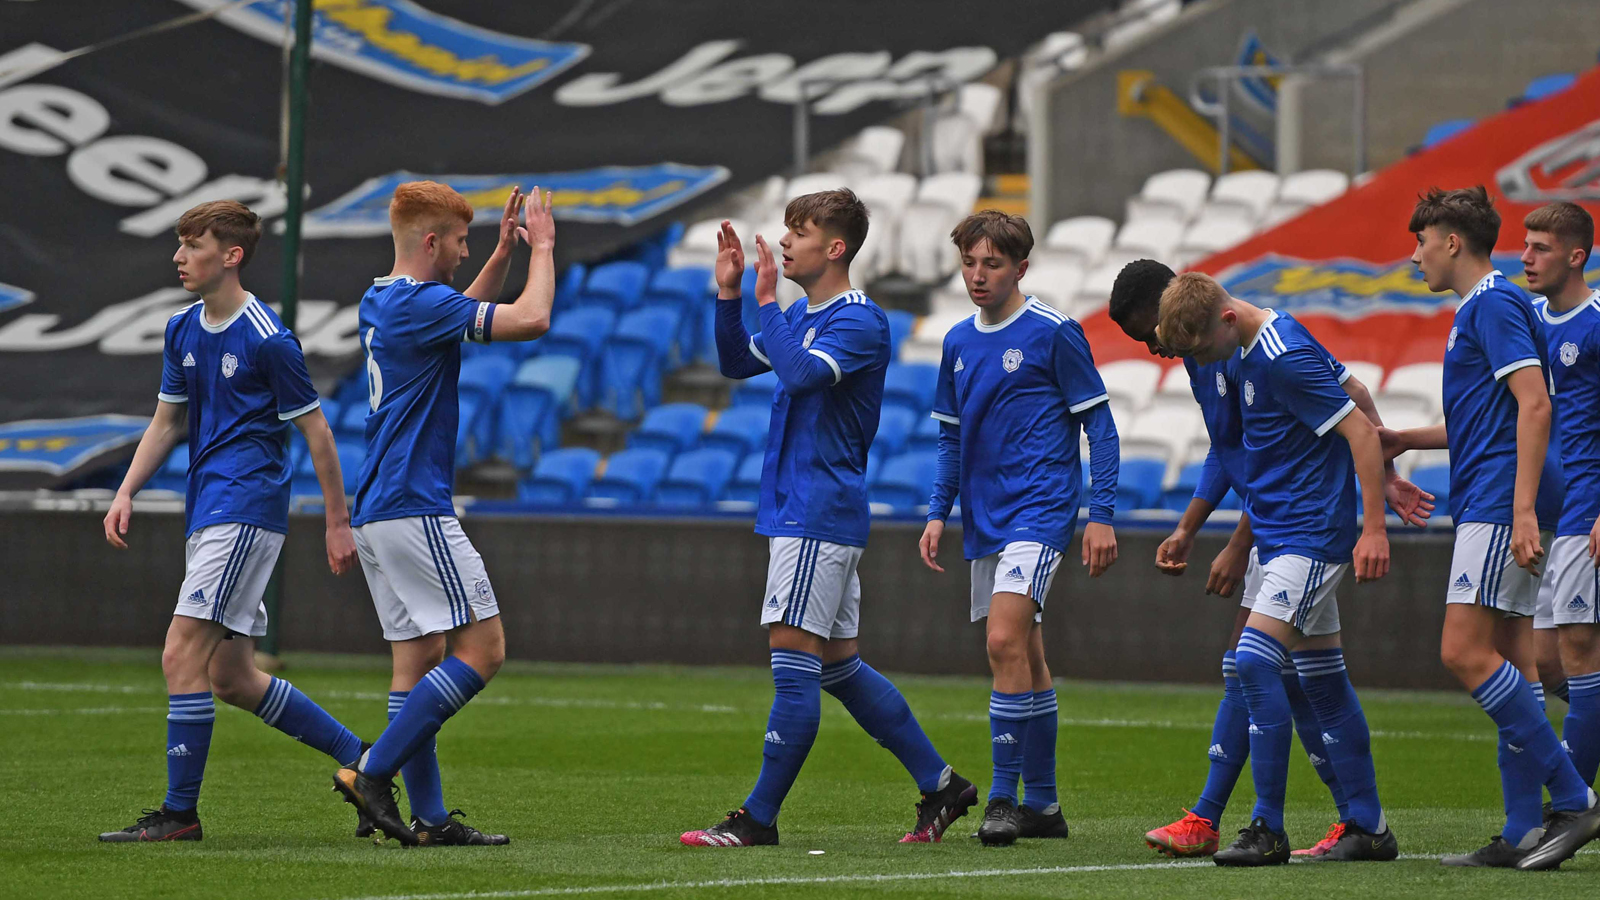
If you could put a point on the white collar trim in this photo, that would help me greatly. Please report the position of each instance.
(218, 329)
(1271, 317)
(1592, 300)
(977, 317)
(387, 280)
(819, 307)
(1482, 285)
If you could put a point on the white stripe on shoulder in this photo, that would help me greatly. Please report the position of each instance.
(260, 316)
(255, 322)
(184, 310)
(1054, 315)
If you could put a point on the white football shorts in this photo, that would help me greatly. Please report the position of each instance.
(1484, 571)
(1252, 581)
(1021, 567)
(812, 585)
(1569, 592)
(226, 569)
(1300, 591)
(424, 575)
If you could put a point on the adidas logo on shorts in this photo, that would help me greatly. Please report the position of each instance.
(198, 598)
(1015, 574)
(1463, 582)
(774, 738)
(1254, 729)
(1281, 598)
(1216, 752)
(1006, 738)
(772, 602)
(1315, 759)
(1577, 603)
(1329, 739)
(180, 750)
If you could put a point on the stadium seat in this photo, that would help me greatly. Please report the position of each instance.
(956, 191)
(1175, 383)
(1163, 431)
(1423, 383)
(926, 435)
(533, 407)
(671, 429)
(352, 423)
(696, 479)
(174, 472)
(740, 429)
(1369, 374)
(1053, 278)
(1088, 237)
(580, 333)
(1436, 481)
(903, 484)
(876, 150)
(698, 246)
(617, 286)
(689, 290)
(901, 323)
(814, 183)
(1145, 238)
(1208, 236)
(352, 456)
(924, 253)
(889, 192)
(629, 479)
(634, 358)
(1303, 190)
(1139, 483)
(562, 476)
(353, 388)
(746, 484)
(485, 378)
(556, 374)
(1241, 195)
(910, 385)
(1177, 497)
(758, 390)
(569, 284)
(1095, 292)
(331, 409)
(895, 424)
(957, 144)
(303, 482)
(1176, 194)
(1133, 380)
(467, 446)
(1545, 85)
(1440, 132)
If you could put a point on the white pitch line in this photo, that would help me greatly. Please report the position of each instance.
(96, 711)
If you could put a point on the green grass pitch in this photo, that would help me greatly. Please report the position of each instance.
(594, 771)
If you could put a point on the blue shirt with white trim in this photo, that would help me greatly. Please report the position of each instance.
(411, 332)
(1301, 478)
(243, 380)
(1496, 332)
(1572, 341)
(1018, 391)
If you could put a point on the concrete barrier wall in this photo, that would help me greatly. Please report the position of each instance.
(688, 591)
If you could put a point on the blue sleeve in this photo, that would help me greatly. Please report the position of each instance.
(849, 341)
(1214, 482)
(1506, 328)
(174, 387)
(945, 407)
(1306, 386)
(438, 315)
(280, 359)
(946, 472)
(1076, 376)
(1104, 459)
(738, 354)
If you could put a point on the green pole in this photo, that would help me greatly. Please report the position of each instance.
(294, 177)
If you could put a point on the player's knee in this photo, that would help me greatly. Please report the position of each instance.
(1255, 668)
(181, 659)
(1007, 647)
(1462, 658)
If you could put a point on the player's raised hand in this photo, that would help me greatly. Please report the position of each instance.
(929, 545)
(116, 522)
(341, 548)
(540, 231)
(1099, 547)
(1372, 555)
(730, 262)
(1227, 570)
(766, 273)
(1525, 546)
(1172, 557)
(509, 230)
(1412, 504)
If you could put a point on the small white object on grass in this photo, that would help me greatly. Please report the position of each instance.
(818, 852)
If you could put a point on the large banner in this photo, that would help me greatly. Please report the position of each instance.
(1344, 268)
(632, 110)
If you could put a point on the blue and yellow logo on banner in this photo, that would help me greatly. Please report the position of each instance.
(12, 296)
(400, 42)
(57, 446)
(622, 195)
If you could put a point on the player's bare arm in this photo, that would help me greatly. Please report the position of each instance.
(1372, 549)
(929, 545)
(492, 279)
(766, 273)
(528, 317)
(1172, 557)
(165, 431)
(340, 541)
(1412, 504)
(1533, 439)
(1227, 570)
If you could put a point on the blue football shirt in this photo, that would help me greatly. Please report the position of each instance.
(243, 380)
(1016, 389)
(814, 477)
(1572, 341)
(411, 332)
(1301, 478)
(1496, 332)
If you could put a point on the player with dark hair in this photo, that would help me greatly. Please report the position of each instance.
(830, 354)
(1017, 382)
(237, 375)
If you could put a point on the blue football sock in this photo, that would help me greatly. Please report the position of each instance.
(1260, 659)
(189, 721)
(1530, 754)
(791, 730)
(291, 712)
(1230, 746)
(421, 773)
(1561, 691)
(1307, 726)
(1582, 728)
(1538, 693)
(1039, 752)
(1346, 741)
(439, 695)
(882, 713)
(1008, 736)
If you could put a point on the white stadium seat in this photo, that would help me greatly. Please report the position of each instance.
(1313, 186)
(1054, 281)
(1422, 381)
(1175, 383)
(951, 296)
(1087, 236)
(1243, 195)
(1369, 374)
(1207, 236)
(816, 182)
(698, 246)
(925, 253)
(1096, 288)
(1152, 238)
(1173, 194)
(875, 151)
(1131, 380)
(1162, 432)
(985, 105)
(890, 192)
(957, 191)
(957, 144)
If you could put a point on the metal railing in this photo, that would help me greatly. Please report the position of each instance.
(937, 86)
(1218, 107)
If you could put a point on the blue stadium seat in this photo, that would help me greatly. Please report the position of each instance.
(569, 284)
(926, 435)
(353, 388)
(689, 291)
(331, 409)
(532, 409)
(910, 385)
(630, 477)
(1178, 496)
(352, 456)
(894, 430)
(174, 472)
(756, 391)
(740, 429)
(874, 466)
(1139, 483)
(1443, 131)
(697, 478)
(671, 429)
(617, 286)
(1545, 85)
(580, 333)
(516, 351)
(904, 482)
(485, 378)
(634, 358)
(900, 324)
(561, 477)
(303, 482)
(1436, 481)
(352, 423)
(1230, 500)
(746, 485)
(467, 446)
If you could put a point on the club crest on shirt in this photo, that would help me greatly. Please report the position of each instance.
(1451, 343)
(230, 365)
(1249, 393)
(1569, 353)
(1012, 360)
(1222, 385)
(811, 335)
